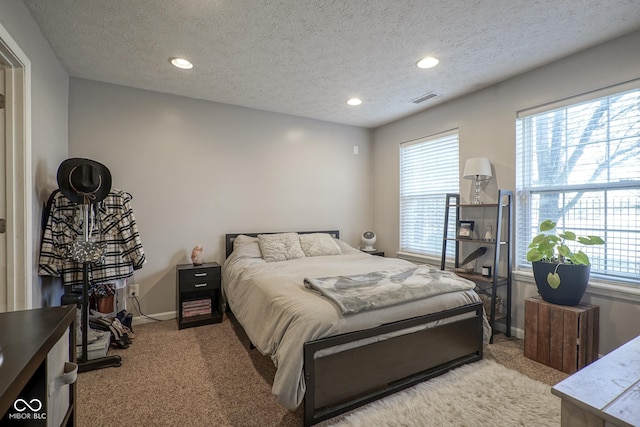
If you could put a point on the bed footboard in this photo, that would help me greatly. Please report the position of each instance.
(341, 381)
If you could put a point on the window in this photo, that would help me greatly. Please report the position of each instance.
(429, 169)
(579, 164)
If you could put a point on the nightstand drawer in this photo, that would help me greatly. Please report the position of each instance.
(199, 274)
(200, 285)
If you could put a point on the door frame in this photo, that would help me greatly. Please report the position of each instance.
(19, 189)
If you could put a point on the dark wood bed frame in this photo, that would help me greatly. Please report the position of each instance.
(339, 382)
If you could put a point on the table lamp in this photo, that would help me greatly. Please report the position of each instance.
(478, 169)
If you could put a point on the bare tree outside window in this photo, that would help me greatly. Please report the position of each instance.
(579, 165)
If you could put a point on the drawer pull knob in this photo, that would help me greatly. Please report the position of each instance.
(200, 274)
(200, 285)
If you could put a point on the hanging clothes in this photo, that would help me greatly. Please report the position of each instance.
(111, 221)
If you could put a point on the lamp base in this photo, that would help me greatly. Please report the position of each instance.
(476, 200)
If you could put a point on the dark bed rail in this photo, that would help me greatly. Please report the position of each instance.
(340, 382)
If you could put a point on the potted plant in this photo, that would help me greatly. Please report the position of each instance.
(561, 274)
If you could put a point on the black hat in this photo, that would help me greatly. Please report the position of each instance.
(83, 180)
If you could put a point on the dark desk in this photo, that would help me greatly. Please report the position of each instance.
(27, 338)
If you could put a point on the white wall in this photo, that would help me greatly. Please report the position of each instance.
(49, 112)
(486, 120)
(198, 170)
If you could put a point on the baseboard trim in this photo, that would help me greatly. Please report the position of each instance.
(167, 315)
(517, 332)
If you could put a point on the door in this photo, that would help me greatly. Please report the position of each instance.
(3, 196)
(16, 190)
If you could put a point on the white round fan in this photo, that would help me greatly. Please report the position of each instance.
(368, 239)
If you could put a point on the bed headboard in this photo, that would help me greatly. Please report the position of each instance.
(229, 238)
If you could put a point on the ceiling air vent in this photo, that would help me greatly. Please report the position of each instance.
(424, 97)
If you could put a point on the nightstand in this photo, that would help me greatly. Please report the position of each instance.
(198, 300)
(376, 253)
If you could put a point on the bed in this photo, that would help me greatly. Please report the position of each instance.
(335, 362)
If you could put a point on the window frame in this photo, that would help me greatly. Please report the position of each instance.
(435, 199)
(618, 287)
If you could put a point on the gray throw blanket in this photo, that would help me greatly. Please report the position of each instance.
(369, 291)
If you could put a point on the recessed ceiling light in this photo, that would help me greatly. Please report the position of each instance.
(427, 62)
(185, 64)
(354, 101)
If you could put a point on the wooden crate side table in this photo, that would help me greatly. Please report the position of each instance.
(562, 337)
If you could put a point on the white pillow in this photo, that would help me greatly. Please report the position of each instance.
(280, 247)
(250, 250)
(242, 240)
(318, 244)
(345, 247)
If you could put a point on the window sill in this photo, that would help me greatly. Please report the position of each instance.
(627, 293)
(420, 259)
(614, 290)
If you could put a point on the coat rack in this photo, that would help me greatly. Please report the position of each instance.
(86, 183)
(84, 364)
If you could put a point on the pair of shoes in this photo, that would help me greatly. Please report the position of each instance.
(124, 330)
(128, 321)
(128, 332)
(118, 335)
(118, 338)
(125, 318)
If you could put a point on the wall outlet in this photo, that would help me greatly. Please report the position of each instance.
(134, 290)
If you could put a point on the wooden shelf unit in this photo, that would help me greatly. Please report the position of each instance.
(501, 217)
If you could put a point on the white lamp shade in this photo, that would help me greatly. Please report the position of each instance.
(479, 167)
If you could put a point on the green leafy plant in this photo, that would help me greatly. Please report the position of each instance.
(551, 246)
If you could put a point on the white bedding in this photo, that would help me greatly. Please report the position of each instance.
(279, 314)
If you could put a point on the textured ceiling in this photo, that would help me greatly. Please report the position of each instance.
(307, 57)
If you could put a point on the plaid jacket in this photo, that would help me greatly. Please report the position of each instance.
(118, 227)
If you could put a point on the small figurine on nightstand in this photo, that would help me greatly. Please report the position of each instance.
(197, 255)
(488, 235)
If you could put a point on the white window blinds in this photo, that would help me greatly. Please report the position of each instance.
(578, 165)
(429, 169)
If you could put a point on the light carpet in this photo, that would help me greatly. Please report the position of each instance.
(484, 393)
(209, 376)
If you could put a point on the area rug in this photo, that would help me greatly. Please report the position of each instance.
(484, 393)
